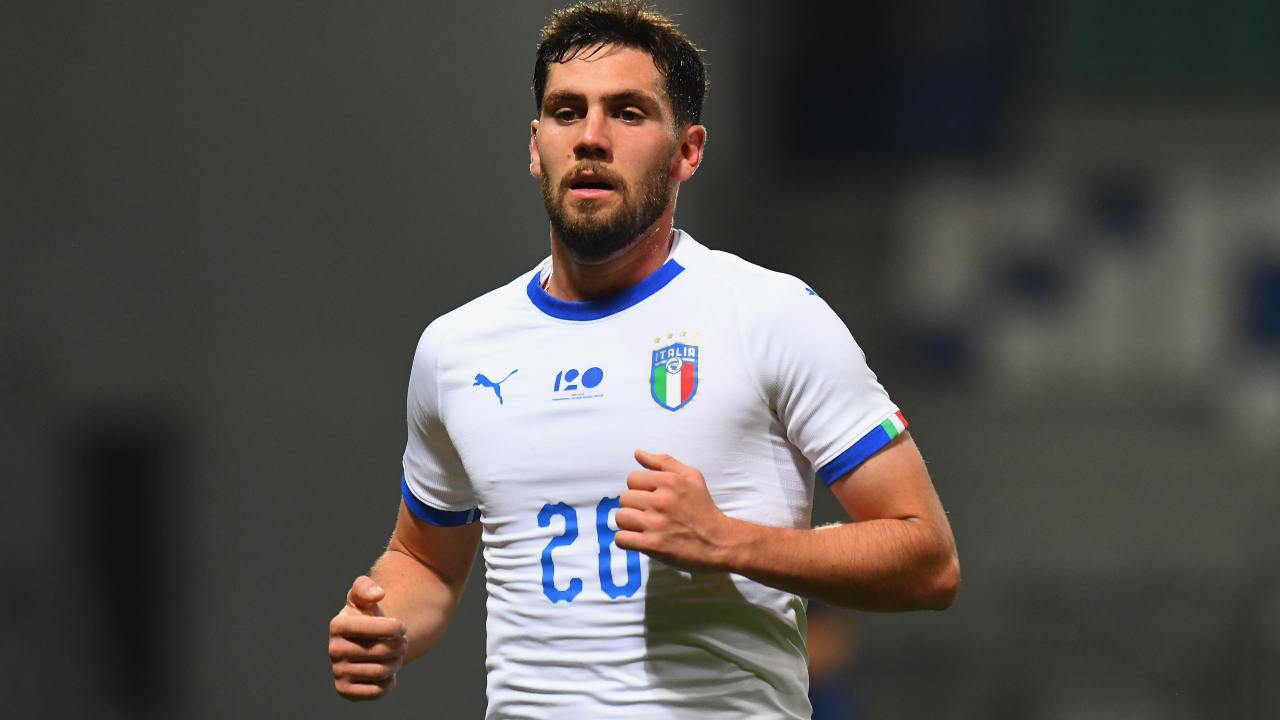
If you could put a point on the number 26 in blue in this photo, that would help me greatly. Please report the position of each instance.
(604, 538)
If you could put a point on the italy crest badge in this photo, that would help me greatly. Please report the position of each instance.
(674, 379)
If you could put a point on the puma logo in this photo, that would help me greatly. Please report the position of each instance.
(482, 381)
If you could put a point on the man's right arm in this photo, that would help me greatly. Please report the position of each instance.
(403, 609)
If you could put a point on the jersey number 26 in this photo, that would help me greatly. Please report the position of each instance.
(604, 538)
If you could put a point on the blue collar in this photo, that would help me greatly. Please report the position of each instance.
(605, 306)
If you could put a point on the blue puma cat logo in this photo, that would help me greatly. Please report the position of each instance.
(482, 381)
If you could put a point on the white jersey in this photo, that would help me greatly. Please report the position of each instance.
(524, 412)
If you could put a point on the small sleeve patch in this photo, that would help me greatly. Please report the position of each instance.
(868, 445)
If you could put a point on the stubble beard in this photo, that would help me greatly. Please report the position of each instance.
(593, 233)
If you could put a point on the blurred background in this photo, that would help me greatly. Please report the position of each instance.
(1053, 225)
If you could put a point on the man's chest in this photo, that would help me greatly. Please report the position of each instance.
(555, 411)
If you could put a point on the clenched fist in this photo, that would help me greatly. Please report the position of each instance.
(366, 648)
(667, 513)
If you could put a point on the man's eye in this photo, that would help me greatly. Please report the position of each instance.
(566, 114)
(630, 115)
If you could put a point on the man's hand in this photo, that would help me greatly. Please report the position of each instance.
(366, 649)
(667, 513)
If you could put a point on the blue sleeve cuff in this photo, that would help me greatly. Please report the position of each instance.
(858, 453)
(434, 516)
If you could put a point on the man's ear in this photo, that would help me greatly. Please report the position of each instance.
(689, 154)
(535, 160)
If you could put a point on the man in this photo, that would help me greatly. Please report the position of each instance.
(665, 581)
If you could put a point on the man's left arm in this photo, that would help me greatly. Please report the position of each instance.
(897, 554)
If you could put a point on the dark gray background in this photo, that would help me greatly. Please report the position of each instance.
(1051, 225)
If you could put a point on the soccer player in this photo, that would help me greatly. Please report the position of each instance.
(668, 580)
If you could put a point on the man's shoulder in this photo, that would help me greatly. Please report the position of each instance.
(749, 285)
(481, 315)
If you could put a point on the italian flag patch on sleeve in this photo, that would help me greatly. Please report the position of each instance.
(868, 445)
(894, 425)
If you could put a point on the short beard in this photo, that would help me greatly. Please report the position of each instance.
(594, 235)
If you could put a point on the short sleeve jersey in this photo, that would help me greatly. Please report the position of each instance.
(524, 412)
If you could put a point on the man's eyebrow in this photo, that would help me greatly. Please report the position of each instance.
(560, 97)
(634, 97)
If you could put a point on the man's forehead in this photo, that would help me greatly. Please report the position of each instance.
(606, 69)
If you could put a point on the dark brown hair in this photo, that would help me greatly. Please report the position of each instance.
(633, 24)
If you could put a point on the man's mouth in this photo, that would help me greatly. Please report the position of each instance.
(590, 185)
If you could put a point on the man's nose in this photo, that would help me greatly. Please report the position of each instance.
(593, 143)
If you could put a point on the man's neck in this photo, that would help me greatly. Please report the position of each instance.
(574, 280)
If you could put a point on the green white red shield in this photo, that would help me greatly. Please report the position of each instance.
(674, 379)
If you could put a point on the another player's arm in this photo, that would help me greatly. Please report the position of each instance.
(403, 609)
(898, 555)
